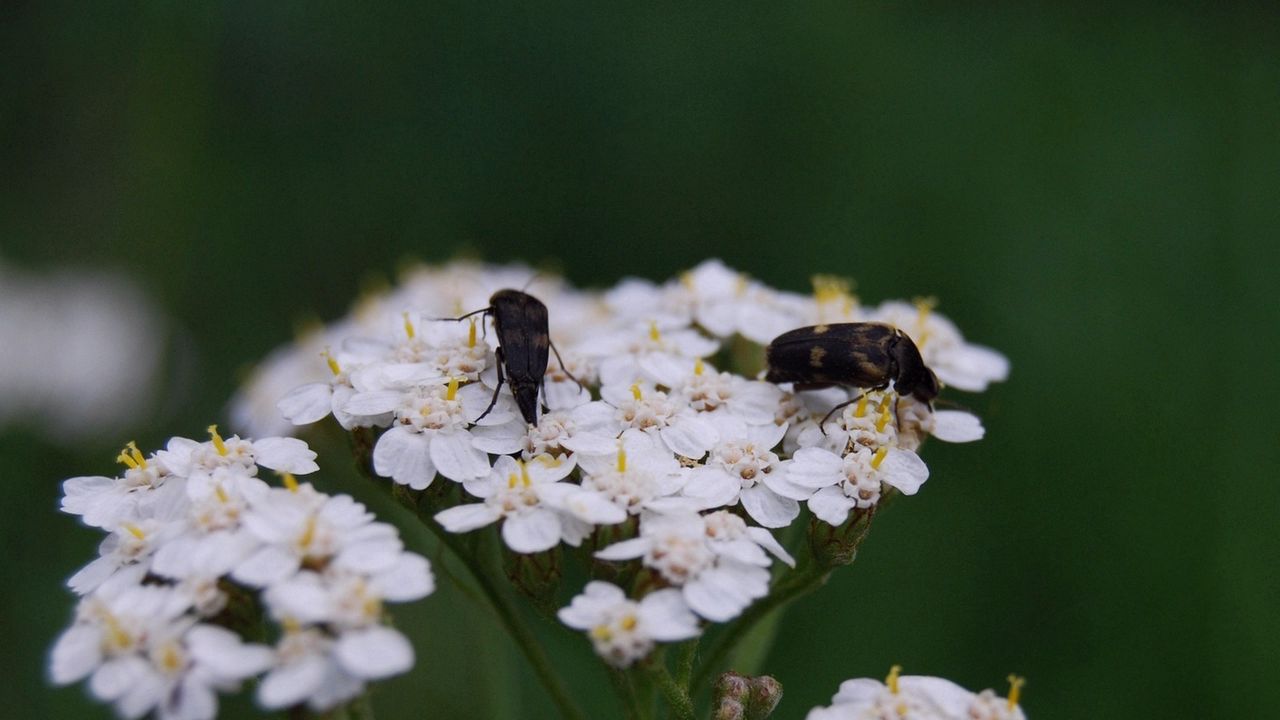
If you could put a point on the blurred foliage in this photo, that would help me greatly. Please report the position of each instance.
(1092, 190)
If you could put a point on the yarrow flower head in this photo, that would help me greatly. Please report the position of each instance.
(918, 697)
(624, 631)
(193, 532)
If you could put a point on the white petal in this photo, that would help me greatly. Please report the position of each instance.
(768, 508)
(831, 505)
(307, 404)
(499, 439)
(666, 616)
(269, 565)
(815, 468)
(713, 486)
(565, 395)
(691, 437)
(194, 699)
(404, 456)
(223, 652)
(92, 575)
(593, 507)
(779, 482)
(904, 470)
(626, 549)
(373, 403)
(117, 676)
(375, 652)
(455, 458)
(971, 367)
(768, 542)
(532, 531)
(75, 655)
(286, 455)
(956, 426)
(292, 683)
(720, 594)
(465, 518)
(409, 579)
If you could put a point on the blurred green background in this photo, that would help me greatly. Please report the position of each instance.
(1093, 191)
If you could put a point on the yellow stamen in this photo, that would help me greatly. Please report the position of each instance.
(879, 457)
(334, 367)
(118, 639)
(452, 392)
(220, 494)
(408, 325)
(291, 625)
(654, 335)
(629, 622)
(924, 306)
(884, 402)
(892, 679)
(686, 279)
(512, 480)
(308, 533)
(602, 632)
(170, 659)
(218, 445)
(1015, 690)
(471, 334)
(135, 531)
(622, 460)
(861, 409)
(698, 366)
(833, 289)
(743, 283)
(883, 420)
(289, 481)
(126, 458)
(137, 456)
(635, 391)
(549, 460)
(524, 474)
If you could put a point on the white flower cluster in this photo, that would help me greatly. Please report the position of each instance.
(640, 429)
(918, 697)
(196, 540)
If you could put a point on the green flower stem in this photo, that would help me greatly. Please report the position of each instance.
(502, 604)
(808, 577)
(685, 661)
(626, 693)
(676, 693)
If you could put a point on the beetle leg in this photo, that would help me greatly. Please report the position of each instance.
(460, 318)
(823, 425)
(562, 367)
(494, 400)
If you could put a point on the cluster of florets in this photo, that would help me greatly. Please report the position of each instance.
(198, 547)
(643, 436)
(918, 697)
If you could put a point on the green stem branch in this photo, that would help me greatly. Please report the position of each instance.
(676, 694)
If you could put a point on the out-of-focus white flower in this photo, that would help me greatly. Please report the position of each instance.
(655, 350)
(917, 697)
(323, 671)
(82, 352)
(624, 631)
(106, 502)
(519, 493)
(719, 562)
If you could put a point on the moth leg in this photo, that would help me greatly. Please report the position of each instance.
(562, 367)
(494, 400)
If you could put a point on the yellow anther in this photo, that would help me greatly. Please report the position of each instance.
(924, 306)
(308, 533)
(602, 632)
(117, 638)
(409, 330)
(126, 458)
(686, 279)
(892, 680)
(135, 531)
(291, 625)
(549, 460)
(879, 457)
(883, 420)
(861, 409)
(524, 474)
(218, 445)
(629, 622)
(654, 335)
(884, 402)
(220, 493)
(512, 480)
(698, 366)
(138, 458)
(334, 367)
(1015, 690)
(622, 460)
(289, 481)
(471, 334)
(452, 392)
(372, 607)
(635, 391)
(170, 659)
(833, 289)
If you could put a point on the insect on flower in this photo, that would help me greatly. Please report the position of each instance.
(524, 337)
(864, 355)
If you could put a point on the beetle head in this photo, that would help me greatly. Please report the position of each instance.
(914, 377)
